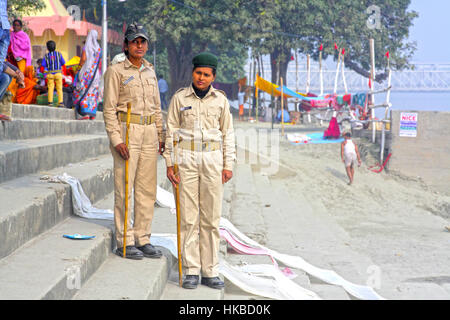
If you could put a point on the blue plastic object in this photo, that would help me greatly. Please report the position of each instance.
(77, 236)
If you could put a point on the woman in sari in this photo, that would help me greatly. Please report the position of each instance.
(19, 53)
(20, 46)
(28, 94)
(86, 94)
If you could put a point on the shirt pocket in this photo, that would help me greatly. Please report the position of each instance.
(149, 88)
(213, 117)
(131, 90)
(188, 119)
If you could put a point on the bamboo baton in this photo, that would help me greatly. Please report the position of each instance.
(177, 201)
(126, 182)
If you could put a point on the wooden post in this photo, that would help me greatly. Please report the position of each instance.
(296, 78)
(177, 203)
(388, 94)
(337, 73)
(383, 139)
(250, 102)
(282, 108)
(125, 225)
(308, 73)
(296, 70)
(372, 81)
(256, 91)
(343, 74)
(320, 73)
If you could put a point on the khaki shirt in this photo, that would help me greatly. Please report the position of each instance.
(124, 82)
(202, 120)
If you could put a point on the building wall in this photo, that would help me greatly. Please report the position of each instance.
(66, 44)
(427, 155)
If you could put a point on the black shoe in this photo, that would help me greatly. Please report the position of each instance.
(150, 251)
(213, 282)
(131, 253)
(190, 282)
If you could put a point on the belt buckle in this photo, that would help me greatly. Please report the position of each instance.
(140, 120)
(204, 145)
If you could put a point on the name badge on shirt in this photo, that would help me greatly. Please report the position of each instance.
(186, 108)
(128, 80)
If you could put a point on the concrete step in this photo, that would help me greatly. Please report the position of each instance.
(144, 279)
(173, 291)
(126, 279)
(21, 129)
(26, 111)
(22, 157)
(31, 206)
(53, 267)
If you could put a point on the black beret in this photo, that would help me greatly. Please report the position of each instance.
(205, 59)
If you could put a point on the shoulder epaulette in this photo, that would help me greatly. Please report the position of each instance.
(222, 92)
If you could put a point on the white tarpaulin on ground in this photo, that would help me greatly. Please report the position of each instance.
(82, 206)
(251, 278)
(329, 276)
(265, 280)
(261, 280)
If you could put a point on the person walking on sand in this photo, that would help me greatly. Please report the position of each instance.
(349, 154)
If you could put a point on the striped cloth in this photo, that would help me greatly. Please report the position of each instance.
(53, 62)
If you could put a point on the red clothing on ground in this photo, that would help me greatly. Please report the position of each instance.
(333, 131)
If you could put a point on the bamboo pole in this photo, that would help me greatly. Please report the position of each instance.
(388, 94)
(308, 73)
(282, 108)
(256, 92)
(296, 70)
(383, 138)
(337, 73)
(127, 135)
(250, 102)
(372, 76)
(296, 78)
(177, 203)
(321, 73)
(308, 80)
(343, 73)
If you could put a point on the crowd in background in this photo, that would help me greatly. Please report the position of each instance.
(51, 80)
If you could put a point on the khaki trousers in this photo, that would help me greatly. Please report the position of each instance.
(143, 149)
(201, 194)
(52, 80)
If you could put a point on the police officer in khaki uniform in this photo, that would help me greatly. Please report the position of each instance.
(134, 80)
(199, 118)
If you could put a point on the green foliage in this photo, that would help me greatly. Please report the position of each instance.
(229, 28)
(304, 25)
(17, 8)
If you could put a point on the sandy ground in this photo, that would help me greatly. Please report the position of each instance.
(385, 230)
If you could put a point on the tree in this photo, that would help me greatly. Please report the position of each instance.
(190, 27)
(304, 25)
(16, 8)
(353, 24)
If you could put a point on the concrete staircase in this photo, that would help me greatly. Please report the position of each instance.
(36, 262)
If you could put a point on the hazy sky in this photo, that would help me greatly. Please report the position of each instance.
(431, 30)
